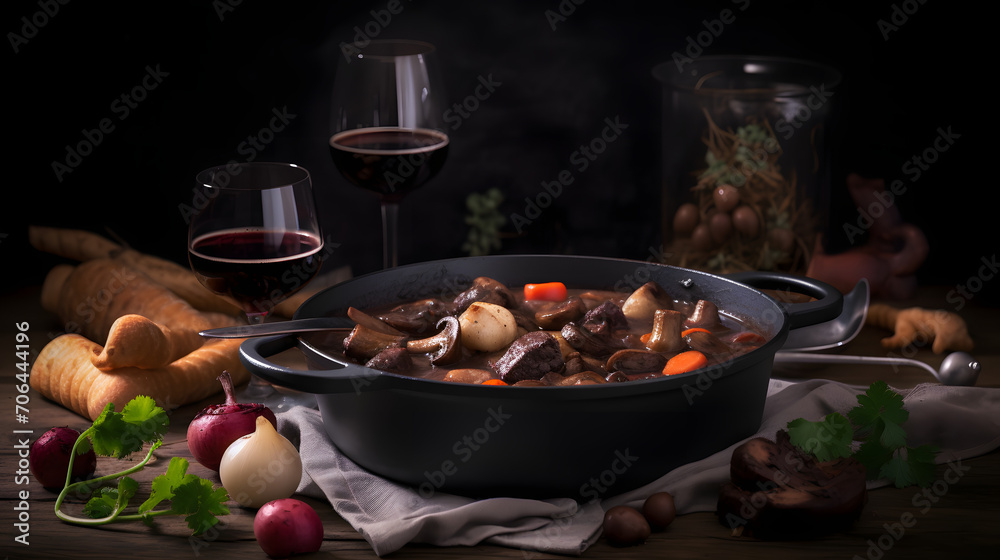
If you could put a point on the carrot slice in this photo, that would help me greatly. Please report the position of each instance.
(494, 382)
(645, 338)
(547, 291)
(694, 329)
(684, 362)
(748, 337)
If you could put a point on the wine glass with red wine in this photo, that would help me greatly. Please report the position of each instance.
(388, 134)
(256, 239)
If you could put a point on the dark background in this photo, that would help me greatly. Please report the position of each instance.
(226, 74)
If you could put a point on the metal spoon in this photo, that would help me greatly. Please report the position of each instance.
(837, 332)
(958, 368)
(281, 327)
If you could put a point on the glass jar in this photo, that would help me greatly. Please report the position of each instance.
(746, 161)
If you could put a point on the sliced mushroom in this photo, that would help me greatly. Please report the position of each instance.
(577, 362)
(557, 314)
(666, 334)
(582, 378)
(469, 375)
(525, 322)
(486, 290)
(708, 344)
(531, 383)
(645, 300)
(417, 318)
(633, 362)
(705, 315)
(443, 348)
(364, 343)
(394, 360)
(616, 377)
(362, 318)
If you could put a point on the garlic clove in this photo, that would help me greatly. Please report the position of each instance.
(260, 467)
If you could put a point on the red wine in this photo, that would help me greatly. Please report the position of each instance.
(256, 268)
(389, 161)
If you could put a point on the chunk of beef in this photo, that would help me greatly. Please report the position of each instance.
(554, 315)
(393, 360)
(529, 357)
(486, 290)
(605, 319)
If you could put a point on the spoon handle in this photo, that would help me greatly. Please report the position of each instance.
(808, 358)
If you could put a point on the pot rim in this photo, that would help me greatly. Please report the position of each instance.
(359, 378)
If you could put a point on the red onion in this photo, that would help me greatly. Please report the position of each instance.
(49, 458)
(217, 426)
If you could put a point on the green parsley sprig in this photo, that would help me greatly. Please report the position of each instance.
(118, 435)
(876, 422)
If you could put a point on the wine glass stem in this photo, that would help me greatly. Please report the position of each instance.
(390, 239)
(257, 388)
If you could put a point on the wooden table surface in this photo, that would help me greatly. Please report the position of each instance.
(963, 519)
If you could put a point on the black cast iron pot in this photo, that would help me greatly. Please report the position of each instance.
(583, 442)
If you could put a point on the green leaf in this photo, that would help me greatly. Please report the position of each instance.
(872, 455)
(102, 504)
(893, 436)
(826, 439)
(199, 502)
(163, 485)
(110, 501)
(911, 466)
(146, 420)
(877, 407)
(119, 434)
(108, 434)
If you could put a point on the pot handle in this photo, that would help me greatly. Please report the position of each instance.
(338, 378)
(828, 304)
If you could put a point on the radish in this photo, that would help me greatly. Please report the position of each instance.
(49, 458)
(287, 527)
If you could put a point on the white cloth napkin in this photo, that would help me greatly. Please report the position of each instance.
(962, 421)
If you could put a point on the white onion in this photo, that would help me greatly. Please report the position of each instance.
(260, 467)
(487, 327)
